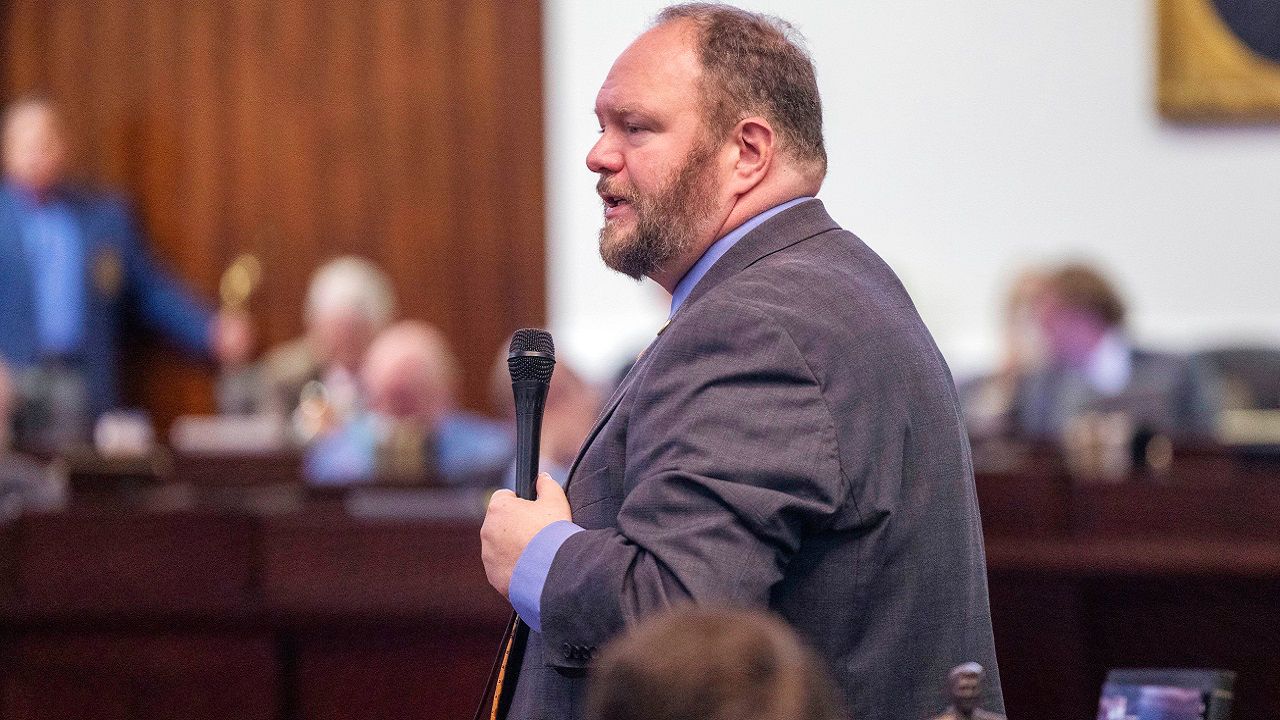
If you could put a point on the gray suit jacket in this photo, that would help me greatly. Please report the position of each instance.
(1166, 393)
(791, 441)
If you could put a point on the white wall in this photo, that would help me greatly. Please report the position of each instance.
(967, 138)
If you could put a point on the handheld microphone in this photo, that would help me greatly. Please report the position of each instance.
(531, 360)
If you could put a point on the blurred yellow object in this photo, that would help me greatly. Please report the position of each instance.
(1249, 427)
(240, 282)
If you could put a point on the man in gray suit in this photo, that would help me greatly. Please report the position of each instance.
(1092, 369)
(791, 439)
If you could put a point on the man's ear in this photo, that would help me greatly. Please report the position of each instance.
(756, 144)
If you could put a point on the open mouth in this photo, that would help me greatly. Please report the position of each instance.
(614, 205)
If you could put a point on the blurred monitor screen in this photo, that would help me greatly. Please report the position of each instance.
(1151, 702)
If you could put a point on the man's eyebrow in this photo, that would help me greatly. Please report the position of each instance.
(621, 111)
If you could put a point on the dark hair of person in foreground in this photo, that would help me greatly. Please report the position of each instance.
(703, 663)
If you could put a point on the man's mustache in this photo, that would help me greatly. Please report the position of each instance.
(605, 187)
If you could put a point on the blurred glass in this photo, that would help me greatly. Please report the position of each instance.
(124, 434)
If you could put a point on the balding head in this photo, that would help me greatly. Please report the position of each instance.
(410, 374)
(756, 64)
(34, 150)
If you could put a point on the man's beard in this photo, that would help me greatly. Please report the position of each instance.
(665, 220)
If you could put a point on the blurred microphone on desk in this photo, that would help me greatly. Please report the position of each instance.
(239, 385)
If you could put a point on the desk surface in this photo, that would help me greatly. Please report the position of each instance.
(278, 602)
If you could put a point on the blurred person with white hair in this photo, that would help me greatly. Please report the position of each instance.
(411, 427)
(73, 266)
(314, 379)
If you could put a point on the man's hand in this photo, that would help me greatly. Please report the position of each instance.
(231, 336)
(511, 523)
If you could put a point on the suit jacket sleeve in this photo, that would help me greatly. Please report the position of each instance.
(1199, 399)
(731, 456)
(158, 299)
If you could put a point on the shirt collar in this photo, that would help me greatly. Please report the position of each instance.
(28, 198)
(1110, 365)
(718, 249)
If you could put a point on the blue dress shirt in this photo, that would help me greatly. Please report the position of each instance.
(534, 564)
(55, 250)
(464, 444)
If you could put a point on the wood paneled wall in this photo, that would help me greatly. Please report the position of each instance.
(407, 131)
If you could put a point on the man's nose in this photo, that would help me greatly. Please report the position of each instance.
(604, 157)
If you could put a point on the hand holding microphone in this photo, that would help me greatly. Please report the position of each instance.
(510, 523)
(513, 518)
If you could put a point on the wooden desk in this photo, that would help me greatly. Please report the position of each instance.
(1176, 570)
(272, 602)
(311, 613)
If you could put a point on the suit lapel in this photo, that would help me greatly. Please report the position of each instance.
(8, 215)
(10, 229)
(607, 412)
(96, 248)
(785, 229)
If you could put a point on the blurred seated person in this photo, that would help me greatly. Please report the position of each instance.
(1092, 368)
(988, 400)
(73, 265)
(570, 412)
(349, 300)
(412, 429)
(701, 663)
(23, 480)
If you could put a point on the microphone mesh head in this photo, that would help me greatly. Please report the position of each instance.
(532, 356)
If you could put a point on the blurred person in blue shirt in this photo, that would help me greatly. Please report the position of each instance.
(410, 427)
(573, 403)
(73, 266)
